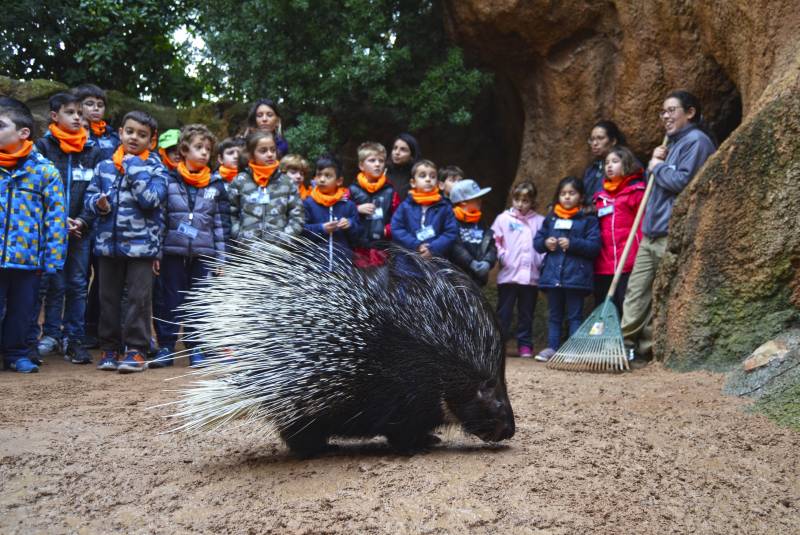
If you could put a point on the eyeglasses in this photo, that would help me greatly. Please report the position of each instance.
(669, 111)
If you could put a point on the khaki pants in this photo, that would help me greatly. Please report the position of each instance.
(637, 317)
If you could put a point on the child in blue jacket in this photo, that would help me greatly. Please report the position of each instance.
(330, 218)
(570, 236)
(424, 222)
(33, 230)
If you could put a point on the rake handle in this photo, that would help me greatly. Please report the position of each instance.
(632, 237)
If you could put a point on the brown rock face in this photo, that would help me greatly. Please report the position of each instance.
(730, 281)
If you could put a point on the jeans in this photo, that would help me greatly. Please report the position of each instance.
(559, 301)
(178, 274)
(524, 296)
(18, 290)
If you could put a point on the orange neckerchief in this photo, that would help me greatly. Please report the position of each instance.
(371, 187)
(462, 215)
(303, 190)
(614, 183)
(69, 142)
(98, 127)
(563, 213)
(262, 173)
(166, 160)
(227, 173)
(9, 160)
(198, 179)
(425, 199)
(119, 154)
(327, 200)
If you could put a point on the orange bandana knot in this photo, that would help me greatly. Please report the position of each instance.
(119, 155)
(425, 199)
(614, 183)
(68, 142)
(563, 213)
(327, 200)
(262, 173)
(473, 216)
(371, 187)
(9, 160)
(227, 173)
(98, 127)
(198, 179)
(166, 160)
(303, 190)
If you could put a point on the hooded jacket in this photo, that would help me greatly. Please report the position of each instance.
(520, 263)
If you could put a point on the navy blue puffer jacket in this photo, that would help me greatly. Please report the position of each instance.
(572, 269)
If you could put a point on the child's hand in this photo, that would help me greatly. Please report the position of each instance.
(343, 224)
(551, 244)
(156, 267)
(563, 243)
(330, 227)
(74, 227)
(366, 209)
(102, 204)
(424, 251)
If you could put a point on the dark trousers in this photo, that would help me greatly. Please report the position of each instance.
(18, 293)
(524, 296)
(159, 310)
(563, 302)
(178, 275)
(127, 326)
(601, 285)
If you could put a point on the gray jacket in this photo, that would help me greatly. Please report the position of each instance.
(688, 151)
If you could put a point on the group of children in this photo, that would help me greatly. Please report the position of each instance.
(143, 211)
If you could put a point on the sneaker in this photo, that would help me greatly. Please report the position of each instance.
(545, 354)
(23, 365)
(76, 353)
(109, 361)
(197, 359)
(133, 362)
(525, 352)
(47, 345)
(162, 359)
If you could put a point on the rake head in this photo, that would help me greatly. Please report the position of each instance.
(597, 346)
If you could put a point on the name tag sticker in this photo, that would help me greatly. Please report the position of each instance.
(187, 230)
(563, 224)
(425, 233)
(513, 226)
(263, 196)
(377, 214)
(476, 235)
(605, 210)
(210, 194)
(80, 174)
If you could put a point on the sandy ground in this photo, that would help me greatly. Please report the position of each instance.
(647, 452)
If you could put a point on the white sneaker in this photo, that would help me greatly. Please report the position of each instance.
(545, 354)
(47, 345)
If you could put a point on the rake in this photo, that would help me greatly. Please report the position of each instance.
(598, 345)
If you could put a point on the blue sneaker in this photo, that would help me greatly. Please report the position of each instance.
(162, 359)
(23, 365)
(133, 362)
(197, 359)
(109, 361)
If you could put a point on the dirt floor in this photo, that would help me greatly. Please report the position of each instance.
(647, 452)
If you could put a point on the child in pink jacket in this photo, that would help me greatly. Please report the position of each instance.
(518, 277)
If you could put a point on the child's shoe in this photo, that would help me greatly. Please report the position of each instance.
(162, 359)
(109, 361)
(77, 354)
(197, 359)
(133, 362)
(22, 365)
(47, 345)
(525, 352)
(545, 354)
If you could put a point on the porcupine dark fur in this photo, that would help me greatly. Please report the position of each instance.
(352, 353)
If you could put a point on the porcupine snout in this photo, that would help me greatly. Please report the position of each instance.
(488, 414)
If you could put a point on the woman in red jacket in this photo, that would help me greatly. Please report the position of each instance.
(616, 204)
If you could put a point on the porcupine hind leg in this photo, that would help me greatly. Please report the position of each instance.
(306, 442)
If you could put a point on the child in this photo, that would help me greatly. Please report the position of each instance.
(331, 219)
(296, 167)
(377, 201)
(570, 236)
(474, 251)
(616, 203)
(264, 202)
(127, 193)
(520, 264)
(196, 211)
(424, 222)
(33, 231)
(94, 104)
(229, 151)
(65, 291)
(448, 177)
(168, 149)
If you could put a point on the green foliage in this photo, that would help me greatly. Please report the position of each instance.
(123, 45)
(310, 136)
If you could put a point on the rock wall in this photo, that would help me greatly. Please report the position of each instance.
(730, 280)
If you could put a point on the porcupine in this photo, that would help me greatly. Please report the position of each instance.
(348, 353)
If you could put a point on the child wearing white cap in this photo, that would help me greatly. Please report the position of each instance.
(474, 251)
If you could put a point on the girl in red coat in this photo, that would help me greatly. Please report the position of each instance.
(616, 204)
